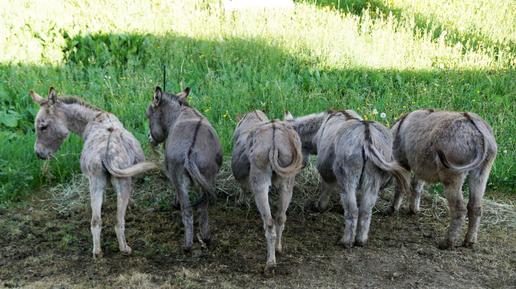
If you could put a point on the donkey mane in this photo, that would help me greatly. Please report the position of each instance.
(171, 96)
(77, 100)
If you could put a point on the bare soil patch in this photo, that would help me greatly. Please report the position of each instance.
(47, 244)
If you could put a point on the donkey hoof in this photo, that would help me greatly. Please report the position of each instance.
(389, 211)
(97, 255)
(269, 270)
(468, 244)
(126, 251)
(445, 244)
(347, 244)
(318, 207)
(360, 243)
(187, 249)
(279, 250)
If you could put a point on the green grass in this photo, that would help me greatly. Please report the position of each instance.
(384, 56)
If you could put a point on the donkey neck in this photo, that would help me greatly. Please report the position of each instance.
(78, 116)
(178, 113)
(307, 126)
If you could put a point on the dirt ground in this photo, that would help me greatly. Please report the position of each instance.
(47, 244)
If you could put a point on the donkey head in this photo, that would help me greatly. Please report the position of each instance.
(50, 125)
(163, 109)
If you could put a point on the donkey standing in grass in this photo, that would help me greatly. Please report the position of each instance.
(193, 155)
(445, 147)
(264, 153)
(110, 152)
(356, 155)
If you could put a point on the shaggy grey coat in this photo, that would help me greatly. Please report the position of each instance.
(110, 153)
(445, 147)
(356, 155)
(193, 155)
(264, 153)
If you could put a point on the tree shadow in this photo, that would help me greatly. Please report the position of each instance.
(118, 72)
(378, 9)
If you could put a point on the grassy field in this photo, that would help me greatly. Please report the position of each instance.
(375, 56)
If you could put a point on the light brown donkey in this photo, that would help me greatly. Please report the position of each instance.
(264, 153)
(445, 147)
(110, 152)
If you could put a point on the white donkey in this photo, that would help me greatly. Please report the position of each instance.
(110, 153)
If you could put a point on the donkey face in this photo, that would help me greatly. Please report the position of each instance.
(161, 112)
(50, 125)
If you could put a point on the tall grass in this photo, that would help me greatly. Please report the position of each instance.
(369, 58)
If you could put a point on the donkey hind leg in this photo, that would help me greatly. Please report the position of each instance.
(349, 204)
(453, 192)
(260, 182)
(477, 185)
(204, 222)
(285, 195)
(396, 200)
(97, 188)
(370, 189)
(123, 187)
(324, 197)
(182, 183)
(415, 194)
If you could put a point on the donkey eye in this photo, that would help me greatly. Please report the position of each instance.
(43, 127)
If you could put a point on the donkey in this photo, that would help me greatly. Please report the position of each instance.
(193, 155)
(356, 155)
(264, 153)
(445, 147)
(110, 152)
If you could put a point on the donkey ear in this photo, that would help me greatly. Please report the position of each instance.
(37, 98)
(158, 95)
(184, 94)
(52, 95)
(288, 116)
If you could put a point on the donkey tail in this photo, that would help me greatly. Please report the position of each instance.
(297, 156)
(394, 168)
(131, 171)
(194, 172)
(480, 157)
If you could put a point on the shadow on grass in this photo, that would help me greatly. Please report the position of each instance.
(118, 72)
(377, 9)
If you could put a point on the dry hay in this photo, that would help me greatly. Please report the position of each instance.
(154, 192)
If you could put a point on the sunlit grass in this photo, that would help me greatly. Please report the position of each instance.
(307, 59)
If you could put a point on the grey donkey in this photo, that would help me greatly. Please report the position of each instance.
(445, 147)
(110, 153)
(267, 153)
(357, 156)
(193, 155)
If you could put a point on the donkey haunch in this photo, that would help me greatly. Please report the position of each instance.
(267, 153)
(110, 152)
(193, 155)
(445, 147)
